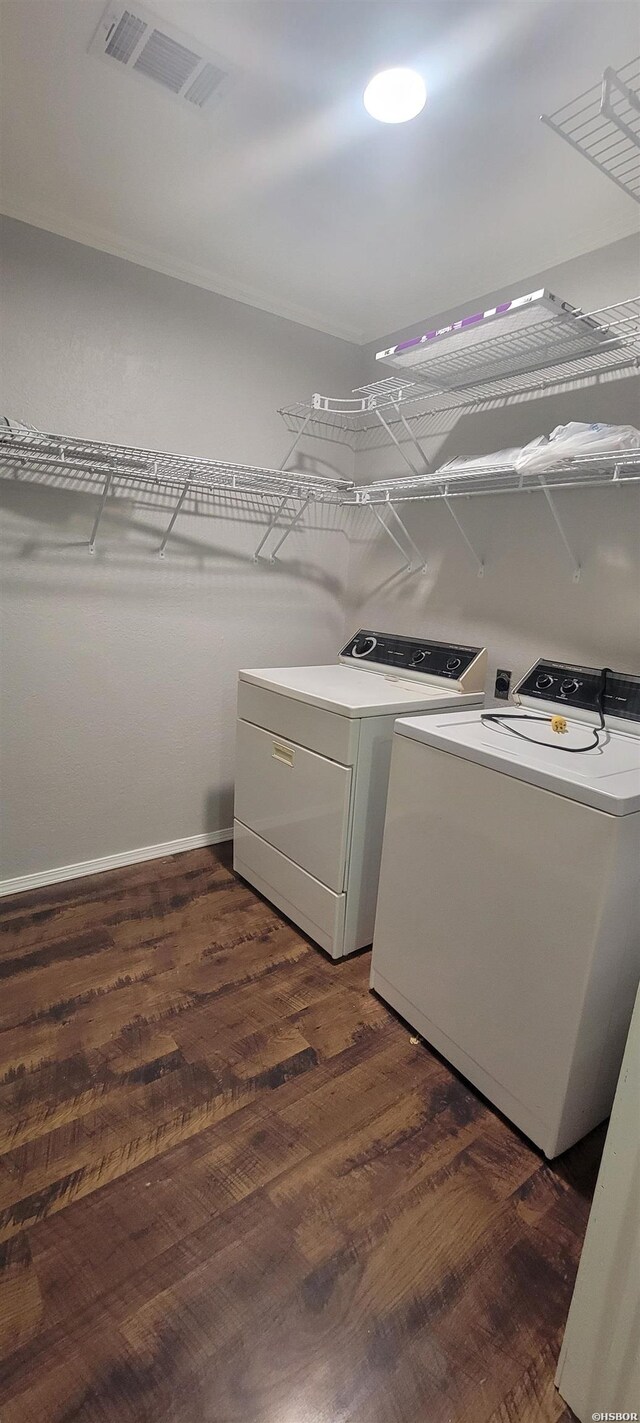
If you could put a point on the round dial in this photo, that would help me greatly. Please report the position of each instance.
(363, 646)
(453, 663)
(417, 657)
(569, 686)
(544, 681)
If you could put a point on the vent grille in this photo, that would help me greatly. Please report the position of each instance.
(204, 85)
(169, 63)
(179, 64)
(126, 37)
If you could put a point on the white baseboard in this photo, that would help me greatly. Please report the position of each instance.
(112, 862)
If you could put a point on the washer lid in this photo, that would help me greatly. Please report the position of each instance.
(608, 777)
(350, 692)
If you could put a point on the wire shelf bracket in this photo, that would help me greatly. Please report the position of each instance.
(290, 526)
(181, 498)
(560, 527)
(103, 500)
(408, 561)
(474, 554)
(280, 510)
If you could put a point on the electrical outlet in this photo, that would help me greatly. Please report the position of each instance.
(503, 683)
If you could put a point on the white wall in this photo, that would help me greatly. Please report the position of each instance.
(526, 605)
(119, 671)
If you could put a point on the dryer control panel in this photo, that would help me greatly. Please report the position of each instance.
(577, 691)
(417, 658)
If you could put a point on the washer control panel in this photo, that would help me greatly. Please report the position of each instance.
(410, 656)
(578, 689)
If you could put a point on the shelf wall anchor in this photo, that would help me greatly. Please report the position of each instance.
(181, 499)
(560, 528)
(291, 525)
(96, 526)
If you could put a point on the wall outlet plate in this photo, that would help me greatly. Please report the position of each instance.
(502, 684)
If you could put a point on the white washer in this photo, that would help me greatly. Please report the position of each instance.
(507, 929)
(313, 749)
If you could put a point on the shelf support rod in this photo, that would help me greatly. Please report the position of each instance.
(446, 499)
(296, 441)
(391, 535)
(414, 439)
(271, 525)
(412, 545)
(476, 557)
(96, 526)
(296, 518)
(394, 438)
(181, 499)
(560, 528)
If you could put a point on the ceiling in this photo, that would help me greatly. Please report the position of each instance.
(286, 194)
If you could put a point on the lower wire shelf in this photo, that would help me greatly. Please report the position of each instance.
(29, 454)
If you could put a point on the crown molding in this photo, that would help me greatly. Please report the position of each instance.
(142, 256)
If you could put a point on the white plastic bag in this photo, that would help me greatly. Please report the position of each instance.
(567, 441)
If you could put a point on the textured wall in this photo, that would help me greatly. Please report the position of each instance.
(119, 671)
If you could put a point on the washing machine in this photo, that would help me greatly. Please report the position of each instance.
(313, 748)
(508, 928)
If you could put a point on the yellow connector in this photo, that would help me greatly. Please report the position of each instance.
(559, 724)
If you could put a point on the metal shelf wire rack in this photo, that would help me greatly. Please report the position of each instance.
(396, 409)
(22, 447)
(27, 453)
(603, 124)
(483, 477)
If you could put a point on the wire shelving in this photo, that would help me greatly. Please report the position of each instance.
(392, 412)
(603, 124)
(396, 409)
(26, 451)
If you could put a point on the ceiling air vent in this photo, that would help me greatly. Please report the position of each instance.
(139, 42)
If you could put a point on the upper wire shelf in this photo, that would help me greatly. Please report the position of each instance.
(396, 409)
(603, 124)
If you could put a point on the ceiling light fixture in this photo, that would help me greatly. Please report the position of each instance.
(395, 95)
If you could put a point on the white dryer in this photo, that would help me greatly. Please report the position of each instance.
(312, 764)
(508, 928)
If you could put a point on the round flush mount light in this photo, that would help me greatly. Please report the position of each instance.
(395, 95)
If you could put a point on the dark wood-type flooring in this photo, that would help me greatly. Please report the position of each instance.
(234, 1189)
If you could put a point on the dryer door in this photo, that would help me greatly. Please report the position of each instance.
(296, 800)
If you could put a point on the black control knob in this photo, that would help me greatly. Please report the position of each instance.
(364, 646)
(569, 686)
(544, 681)
(453, 663)
(417, 657)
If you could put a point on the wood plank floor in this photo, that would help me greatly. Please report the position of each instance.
(235, 1189)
